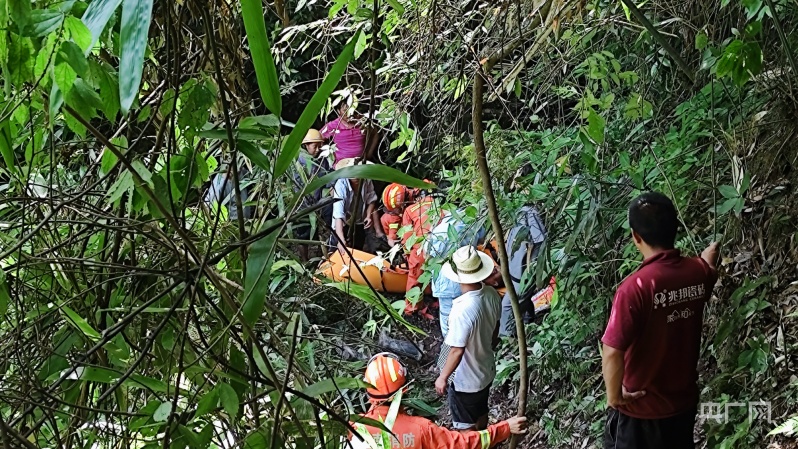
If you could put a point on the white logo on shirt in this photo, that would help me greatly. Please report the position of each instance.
(677, 315)
(669, 298)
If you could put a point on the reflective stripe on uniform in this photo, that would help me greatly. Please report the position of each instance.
(484, 439)
(393, 226)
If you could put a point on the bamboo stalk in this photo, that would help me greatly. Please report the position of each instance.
(493, 213)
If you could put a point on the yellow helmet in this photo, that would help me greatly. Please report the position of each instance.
(313, 135)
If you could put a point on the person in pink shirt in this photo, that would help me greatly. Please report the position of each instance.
(347, 134)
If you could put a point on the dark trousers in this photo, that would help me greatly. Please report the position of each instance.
(624, 432)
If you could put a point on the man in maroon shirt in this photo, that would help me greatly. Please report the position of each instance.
(653, 338)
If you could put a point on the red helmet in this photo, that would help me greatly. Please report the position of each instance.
(387, 374)
(394, 197)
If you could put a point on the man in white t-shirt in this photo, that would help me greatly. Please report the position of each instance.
(473, 332)
(368, 217)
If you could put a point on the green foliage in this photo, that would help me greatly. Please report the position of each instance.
(134, 28)
(252, 13)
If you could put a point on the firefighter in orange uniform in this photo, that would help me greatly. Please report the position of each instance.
(388, 376)
(422, 216)
(395, 197)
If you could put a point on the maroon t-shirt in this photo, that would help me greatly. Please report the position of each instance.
(656, 318)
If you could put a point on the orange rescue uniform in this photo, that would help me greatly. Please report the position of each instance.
(418, 217)
(415, 432)
(390, 224)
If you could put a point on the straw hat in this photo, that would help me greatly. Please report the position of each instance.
(350, 162)
(470, 266)
(313, 136)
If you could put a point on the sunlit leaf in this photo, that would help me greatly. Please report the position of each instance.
(336, 384)
(262, 59)
(135, 25)
(163, 411)
(371, 171)
(229, 399)
(80, 323)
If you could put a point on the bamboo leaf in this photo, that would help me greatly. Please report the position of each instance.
(136, 15)
(371, 171)
(7, 145)
(330, 385)
(254, 154)
(5, 297)
(262, 59)
(290, 150)
(97, 16)
(256, 282)
(81, 324)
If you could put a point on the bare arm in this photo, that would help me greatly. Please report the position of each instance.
(455, 356)
(710, 255)
(612, 369)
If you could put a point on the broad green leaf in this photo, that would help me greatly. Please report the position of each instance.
(228, 398)
(135, 25)
(751, 7)
(109, 159)
(122, 185)
(79, 33)
(44, 22)
(728, 191)
(109, 89)
(753, 28)
(595, 127)
(701, 40)
(73, 55)
(397, 6)
(269, 121)
(330, 385)
(64, 76)
(95, 18)
(290, 150)
(208, 403)
(20, 12)
(81, 324)
(262, 59)
(254, 154)
(5, 296)
(256, 282)
(370, 171)
(162, 413)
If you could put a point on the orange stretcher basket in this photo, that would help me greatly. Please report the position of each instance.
(340, 268)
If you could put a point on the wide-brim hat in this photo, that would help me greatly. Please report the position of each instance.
(350, 162)
(468, 266)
